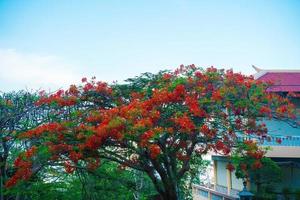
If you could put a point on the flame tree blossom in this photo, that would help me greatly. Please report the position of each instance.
(155, 123)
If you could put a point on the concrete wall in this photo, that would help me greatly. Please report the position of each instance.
(290, 178)
(237, 184)
(281, 128)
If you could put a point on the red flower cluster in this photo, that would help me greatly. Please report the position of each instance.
(93, 142)
(69, 167)
(265, 110)
(172, 108)
(59, 148)
(243, 166)
(258, 154)
(185, 123)
(279, 140)
(24, 168)
(45, 128)
(30, 152)
(154, 151)
(216, 96)
(93, 164)
(220, 146)
(182, 157)
(194, 107)
(257, 165)
(74, 156)
(145, 137)
(230, 167)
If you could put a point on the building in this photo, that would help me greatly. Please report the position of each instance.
(286, 154)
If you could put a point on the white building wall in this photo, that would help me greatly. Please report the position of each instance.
(237, 184)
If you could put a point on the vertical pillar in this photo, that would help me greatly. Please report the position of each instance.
(248, 185)
(229, 182)
(215, 167)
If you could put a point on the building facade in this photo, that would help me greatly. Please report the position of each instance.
(226, 185)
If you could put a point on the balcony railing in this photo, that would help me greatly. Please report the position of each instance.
(201, 192)
(275, 140)
(282, 141)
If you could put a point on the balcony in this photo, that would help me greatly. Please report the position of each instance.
(281, 146)
(207, 192)
(292, 141)
(285, 141)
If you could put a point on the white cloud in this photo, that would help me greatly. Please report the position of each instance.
(32, 71)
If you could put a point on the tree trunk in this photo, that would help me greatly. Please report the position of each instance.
(167, 190)
(3, 160)
(170, 193)
(258, 184)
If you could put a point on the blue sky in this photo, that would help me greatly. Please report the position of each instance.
(51, 44)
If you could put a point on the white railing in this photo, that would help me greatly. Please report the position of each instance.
(274, 140)
(201, 192)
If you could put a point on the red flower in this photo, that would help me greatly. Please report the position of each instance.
(11, 182)
(73, 90)
(185, 123)
(194, 107)
(154, 151)
(93, 142)
(243, 166)
(216, 96)
(69, 168)
(278, 140)
(182, 157)
(256, 165)
(219, 145)
(282, 109)
(205, 130)
(30, 152)
(257, 155)
(146, 136)
(93, 164)
(198, 74)
(74, 156)
(167, 76)
(88, 87)
(230, 167)
(179, 90)
(265, 109)
(83, 79)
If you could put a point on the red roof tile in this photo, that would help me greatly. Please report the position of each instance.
(283, 81)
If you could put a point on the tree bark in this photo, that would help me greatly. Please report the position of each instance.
(167, 189)
(171, 192)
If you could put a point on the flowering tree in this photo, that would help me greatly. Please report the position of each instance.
(155, 123)
(17, 114)
(250, 163)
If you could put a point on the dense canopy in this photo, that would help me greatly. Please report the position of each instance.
(155, 123)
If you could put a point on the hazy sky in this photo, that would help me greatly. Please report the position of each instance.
(54, 43)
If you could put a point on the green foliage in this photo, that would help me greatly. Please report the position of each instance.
(111, 182)
(159, 124)
(265, 176)
(198, 168)
(106, 183)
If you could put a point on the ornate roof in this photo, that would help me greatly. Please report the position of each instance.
(283, 80)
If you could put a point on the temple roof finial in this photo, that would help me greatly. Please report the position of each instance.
(256, 68)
